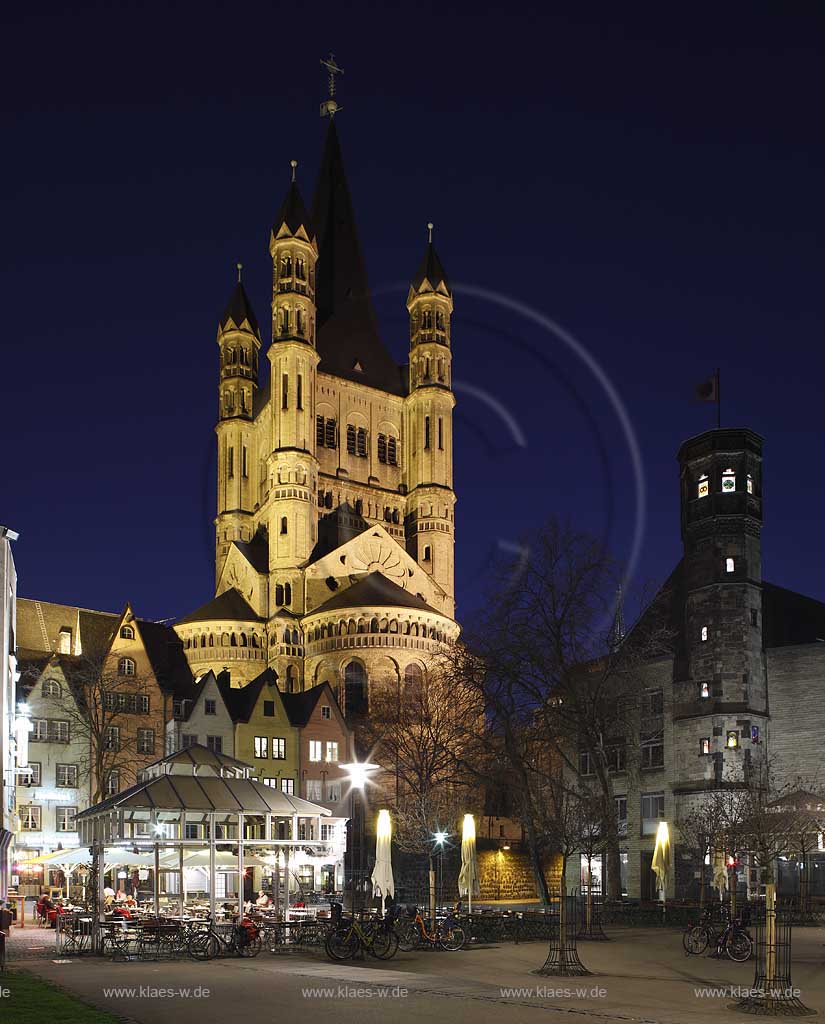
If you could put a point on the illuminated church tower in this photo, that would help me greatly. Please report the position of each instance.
(335, 524)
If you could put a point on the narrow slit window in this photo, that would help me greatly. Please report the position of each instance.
(440, 433)
(426, 431)
(285, 391)
(704, 633)
(362, 442)
(284, 525)
(730, 565)
(299, 393)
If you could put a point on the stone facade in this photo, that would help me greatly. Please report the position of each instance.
(335, 522)
(747, 677)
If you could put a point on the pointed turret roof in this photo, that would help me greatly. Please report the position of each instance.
(293, 213)
(348, 340)
(240, 309)
(430, 271)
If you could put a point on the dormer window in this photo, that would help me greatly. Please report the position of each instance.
(127, 633)
(702, 487)
(728, 481)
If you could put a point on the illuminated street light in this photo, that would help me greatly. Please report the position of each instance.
(358, 773)
(441, 837)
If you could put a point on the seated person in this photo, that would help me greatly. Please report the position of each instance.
(263, 900)
(120, 896)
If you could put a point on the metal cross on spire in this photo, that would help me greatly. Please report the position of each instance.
(329, 108)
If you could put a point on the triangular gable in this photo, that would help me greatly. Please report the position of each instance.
(239, 573)
(373, 550)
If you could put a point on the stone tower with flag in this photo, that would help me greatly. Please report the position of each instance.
(334, 532)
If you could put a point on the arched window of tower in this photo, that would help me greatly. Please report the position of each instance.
(243, 639)
(413, 682)
(233, 640)
(355, 688)
(292, 679)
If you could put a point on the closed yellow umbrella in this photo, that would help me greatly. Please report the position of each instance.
(662, 858)
(468, 876)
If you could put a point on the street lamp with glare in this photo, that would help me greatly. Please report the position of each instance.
(358, 775)
(440, 837)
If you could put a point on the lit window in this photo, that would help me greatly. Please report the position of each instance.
(127, 633)
(30, 818)
(65, 819)
(326, 711)
(750, 484)
(29, 776)
(754, 734)
(728, 481)
(704, 690)
(112, 738)
(332, 750)
(704, 745)
(729, 565)
(288, 786)
(333, 792)
(327, 831)
(702, 488)
(278, 748)
(314, 787)
(732, 740)
(113, 782)
(315, 750)
(261, 746)
(704, 633)
(126, 667)
(66, 776)
(146, 741)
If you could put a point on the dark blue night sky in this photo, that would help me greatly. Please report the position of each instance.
(649, 178)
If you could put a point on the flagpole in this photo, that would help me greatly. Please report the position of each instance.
(718, 401)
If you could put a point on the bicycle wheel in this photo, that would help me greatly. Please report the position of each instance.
(252, 947)
(203, 946)
(452, 939)
(342, 944)
(384, 944)
(408, 937)
(739, 947)
(696, 940)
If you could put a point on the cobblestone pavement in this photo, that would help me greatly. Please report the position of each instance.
(639, 976)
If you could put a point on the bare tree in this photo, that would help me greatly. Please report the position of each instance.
(701, 828)
(419, 734)
(107, 695)
(546, 660)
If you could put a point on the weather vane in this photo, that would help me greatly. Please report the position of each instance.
(239, 268)
(329, 108)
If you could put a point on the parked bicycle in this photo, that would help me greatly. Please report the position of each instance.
(375, 935)
(242, 939)
(730, 939)
(697, 937)
(448, 934)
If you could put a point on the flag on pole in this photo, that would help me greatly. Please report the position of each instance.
(708, 390)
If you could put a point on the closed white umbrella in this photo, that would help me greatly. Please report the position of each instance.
(382, 880)
(468, 876)
(720, 873)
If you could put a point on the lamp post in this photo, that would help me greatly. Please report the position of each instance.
(358, 774)
(440, 838)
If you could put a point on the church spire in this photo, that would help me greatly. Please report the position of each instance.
(292, 218)
(430, 275)
(348, 339)
(239, 310)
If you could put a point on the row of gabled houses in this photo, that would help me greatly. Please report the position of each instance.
(109, 694)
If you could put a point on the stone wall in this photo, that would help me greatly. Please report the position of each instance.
(796, 677)
(503, 875)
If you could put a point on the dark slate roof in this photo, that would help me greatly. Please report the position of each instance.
(229, 605)
(240, 309)
(255, 551)
(293, 213)
(375, 591)
(790, 618)
(165, 651)
(430, 270)
(299, 706)
(33, 617)
(241, 701)
(97, 630)
(206, 793)
(347, 334)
